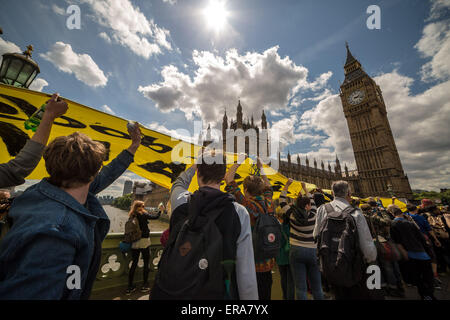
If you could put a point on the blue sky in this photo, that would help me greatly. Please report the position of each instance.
(300, 44)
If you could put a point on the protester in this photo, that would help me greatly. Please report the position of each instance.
(282, 260)
(59, 224)
(303, 252)
(432, 242)
(341, 202)
(441, 246)
(5, 203)
(257, 200)
(233, 223)
(379, 224)
(141, 246)
(13, 173)
(407, 235)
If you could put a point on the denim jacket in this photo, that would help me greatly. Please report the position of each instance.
(52, 231)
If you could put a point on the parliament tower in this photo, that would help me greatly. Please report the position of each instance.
(380, 170)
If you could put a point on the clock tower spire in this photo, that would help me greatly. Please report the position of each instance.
(374, 148)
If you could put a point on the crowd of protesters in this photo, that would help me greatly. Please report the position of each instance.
(219, 245)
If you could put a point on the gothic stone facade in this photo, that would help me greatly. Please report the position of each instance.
(377, 159)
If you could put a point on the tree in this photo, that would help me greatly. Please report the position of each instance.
(123, 202)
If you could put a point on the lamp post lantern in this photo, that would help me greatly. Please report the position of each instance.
(18, 69)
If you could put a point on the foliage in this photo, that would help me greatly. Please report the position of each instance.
(444, 196)
(123, 202)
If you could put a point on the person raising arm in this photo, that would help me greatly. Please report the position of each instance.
(13, 173)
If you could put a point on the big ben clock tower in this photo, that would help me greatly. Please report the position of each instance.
(379, 167)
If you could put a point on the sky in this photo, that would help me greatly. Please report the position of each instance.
(166, 63)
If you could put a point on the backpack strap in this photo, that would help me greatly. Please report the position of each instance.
(329, 207)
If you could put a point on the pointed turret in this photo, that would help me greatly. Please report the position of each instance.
(225, 121)
(298, 160)
(239, 115)
(337, 167)
(351, 65)
(263, 121)
(350, 58)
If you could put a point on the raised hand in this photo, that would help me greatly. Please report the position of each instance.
(136, 137)
(229, 176)
(288, 183)
(55, 107)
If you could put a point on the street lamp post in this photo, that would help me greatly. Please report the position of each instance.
(18, 69)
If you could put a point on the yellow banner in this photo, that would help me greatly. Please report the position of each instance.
(152, 161)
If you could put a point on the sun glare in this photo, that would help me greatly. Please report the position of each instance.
(216, 15)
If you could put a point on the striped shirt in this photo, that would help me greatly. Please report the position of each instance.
(301, 231)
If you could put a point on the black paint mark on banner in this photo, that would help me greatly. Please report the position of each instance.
(147, 141)
(13, 137)
(71, 123)
(110, 132)
(29, 109)
(5, 108)
(160, 166)
(24, 105)
(277, 186)
(150, 143)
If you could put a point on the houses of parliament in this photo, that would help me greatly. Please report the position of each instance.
(379, 169)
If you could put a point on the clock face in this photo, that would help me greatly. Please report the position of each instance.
(356, 97)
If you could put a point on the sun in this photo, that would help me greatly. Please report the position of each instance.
(216, 15)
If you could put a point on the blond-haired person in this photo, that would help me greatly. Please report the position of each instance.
(53, 250)
(141, 246)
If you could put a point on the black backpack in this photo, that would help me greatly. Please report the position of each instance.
(266, 236)
(191, 263)
(340, 257)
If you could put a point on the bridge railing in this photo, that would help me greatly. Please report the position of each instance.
(115, 265)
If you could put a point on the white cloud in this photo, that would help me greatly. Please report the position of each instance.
(328, 117)
(8, 47)
(81, 65)
(261, 80)
(107, 109)
(172, 2)
(38, 84)
(177, 133)
(435, 44)
(129, 27)
(104, 36)
(58, 10)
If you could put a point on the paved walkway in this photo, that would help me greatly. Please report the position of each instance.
(411, 292)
